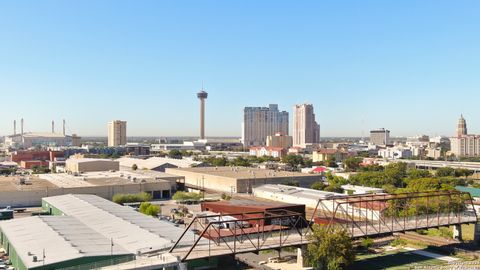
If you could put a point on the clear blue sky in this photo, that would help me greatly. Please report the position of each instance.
(410, 66)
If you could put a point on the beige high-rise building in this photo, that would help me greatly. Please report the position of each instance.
(260, 122)
(117, 133)
(380, 137)
(463, 144)
(306, 130)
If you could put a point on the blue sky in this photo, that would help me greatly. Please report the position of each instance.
(410, 66)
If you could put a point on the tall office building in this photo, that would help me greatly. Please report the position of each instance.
(117, 133)
(462, 127)
(463, 144)
(380, 137)
(260, 122)
(306, 130)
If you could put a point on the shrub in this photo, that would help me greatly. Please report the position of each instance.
(398, 242)
(149, 209)
(131, 198)
(181, 196)
(367, 243)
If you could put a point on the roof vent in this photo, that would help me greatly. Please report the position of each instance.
(35, 259)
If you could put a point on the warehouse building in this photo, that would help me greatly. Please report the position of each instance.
(78, 165)
(158, 164)
(23, 191)
(46, 242)
(239, 179)
(89, 232)
(237, 206)
(329, 201)
(129, 229)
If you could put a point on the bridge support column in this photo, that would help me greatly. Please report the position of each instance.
(182, 266)
(476, 234)
(300, 253)
(457, 232)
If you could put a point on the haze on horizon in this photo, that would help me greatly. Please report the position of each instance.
(408, 66)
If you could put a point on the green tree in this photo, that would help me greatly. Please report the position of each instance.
(330, 248)
(417, 173)
(352, 164)
(318, 186)
(134, 167)
(445, 172)
(149, 209)
(175, 154)
(293, 160)
(240, 162)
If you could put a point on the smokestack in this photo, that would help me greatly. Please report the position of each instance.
(21, 126)
(14, 127)
(53, 126)
(64, 127)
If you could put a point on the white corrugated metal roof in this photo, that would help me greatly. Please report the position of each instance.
(154, 162)
(128, 228)
(62, 238)
(297, 191)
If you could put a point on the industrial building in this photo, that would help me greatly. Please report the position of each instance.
(88, 232)
(46, 242)
(360, 190)
(238, 179)
(78, 165)
(32, 139)
(310, 198)
(158, 164)
(237, 206)
(20, 191)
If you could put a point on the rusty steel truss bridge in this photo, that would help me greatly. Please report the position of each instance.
(371, 215)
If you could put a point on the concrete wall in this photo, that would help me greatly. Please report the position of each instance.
(34, 198)
(72, 165)
(227, 184)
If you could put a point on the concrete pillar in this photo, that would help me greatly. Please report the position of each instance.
(476, 234)
(457, 232)
(300, 253)
(182, 266)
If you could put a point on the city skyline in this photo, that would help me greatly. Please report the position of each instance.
(90, 65)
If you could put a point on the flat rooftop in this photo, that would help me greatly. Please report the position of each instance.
(304, 193)
(107, 178)
(128, 228)
(90, 179)
(12, 183)
(239, 172)
(61, 238)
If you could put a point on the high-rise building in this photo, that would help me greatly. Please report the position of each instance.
(306, 130)
(380, 137)
(117, 133)
(463, 144)
(202, 95)
(260, 122)
(462, 127)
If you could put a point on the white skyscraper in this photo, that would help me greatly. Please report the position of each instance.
(306, 130)
(117, 133)
(260, 122)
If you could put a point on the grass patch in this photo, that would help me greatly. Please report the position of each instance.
(395, 260)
